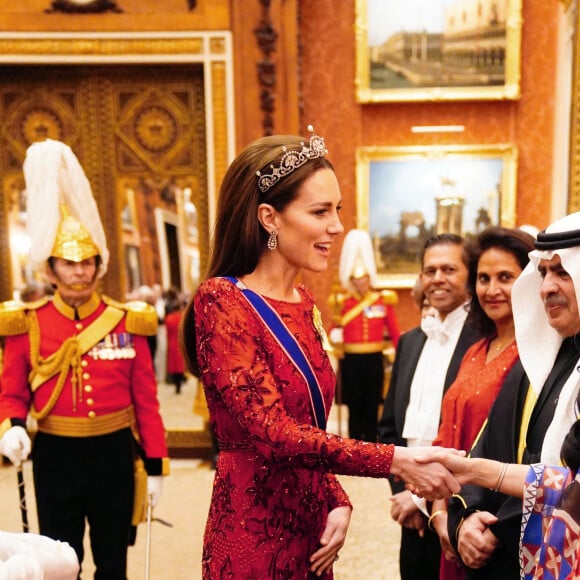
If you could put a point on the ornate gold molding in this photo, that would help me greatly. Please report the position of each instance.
(67, 47)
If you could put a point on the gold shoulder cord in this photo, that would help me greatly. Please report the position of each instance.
(390, 297)
(358, 308)
(67, 356)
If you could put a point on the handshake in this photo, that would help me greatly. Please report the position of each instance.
(432, 472)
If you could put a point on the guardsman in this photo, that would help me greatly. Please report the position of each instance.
(79, 364)
(367, 325)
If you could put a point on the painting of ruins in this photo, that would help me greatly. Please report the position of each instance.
(407, 194)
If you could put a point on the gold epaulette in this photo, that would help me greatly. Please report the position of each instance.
(335, 302)
(336, 299)
(141, 317)
(13, 318)
(390, 297)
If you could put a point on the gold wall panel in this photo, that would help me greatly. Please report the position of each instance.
(145, 122)
(96, 48)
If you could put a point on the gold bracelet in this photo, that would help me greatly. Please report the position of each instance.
(433, 516)
(500, 477)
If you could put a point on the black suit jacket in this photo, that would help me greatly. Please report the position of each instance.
(408, 352)
(499, 441)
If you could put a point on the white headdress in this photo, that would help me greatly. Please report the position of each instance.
(62, 215)
(538, 343)
(357, 258)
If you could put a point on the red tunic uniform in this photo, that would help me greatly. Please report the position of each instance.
(114, 375)
(366, 322)
(370, 326)
(274, 482)
(90, 384)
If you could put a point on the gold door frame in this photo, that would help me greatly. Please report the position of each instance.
(211, 49)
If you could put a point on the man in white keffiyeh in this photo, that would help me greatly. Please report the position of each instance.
(545, 300)
(530, 416)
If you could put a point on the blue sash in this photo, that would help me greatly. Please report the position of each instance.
(290, 346)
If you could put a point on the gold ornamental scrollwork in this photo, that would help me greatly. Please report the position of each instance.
(41, 123)
(83, 6)
(155, 129)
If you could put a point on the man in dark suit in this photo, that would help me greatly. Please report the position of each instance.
(534, 409)
(426, 363)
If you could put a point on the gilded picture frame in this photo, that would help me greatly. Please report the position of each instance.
(406, 194)
(437, 50)
(133, 268)
(128, 210)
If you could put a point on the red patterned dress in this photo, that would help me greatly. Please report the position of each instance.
(468, 400)
(274, 483)
(466, 406)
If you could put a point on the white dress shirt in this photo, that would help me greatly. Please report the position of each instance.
(424, 410)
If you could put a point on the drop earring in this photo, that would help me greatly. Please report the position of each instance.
(272, 241)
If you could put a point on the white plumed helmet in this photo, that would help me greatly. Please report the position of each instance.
(357, 258)
(62, 216)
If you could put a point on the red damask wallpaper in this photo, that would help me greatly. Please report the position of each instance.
(328, 94)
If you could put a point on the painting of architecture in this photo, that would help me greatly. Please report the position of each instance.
(438, 49)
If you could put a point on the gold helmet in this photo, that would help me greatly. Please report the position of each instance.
(356, 258)
(73, 241)
(62, 216)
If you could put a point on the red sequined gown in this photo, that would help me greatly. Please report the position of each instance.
(274, 483)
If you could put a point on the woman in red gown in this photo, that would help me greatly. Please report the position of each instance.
(277, 509)
(500, 256)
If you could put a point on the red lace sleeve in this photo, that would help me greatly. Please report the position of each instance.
(337, 497)
(254, 395)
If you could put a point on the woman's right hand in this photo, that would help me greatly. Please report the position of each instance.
(331, 540)
(424, 472)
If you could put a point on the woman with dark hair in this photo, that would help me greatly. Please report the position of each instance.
(499, 256)
(255, 338)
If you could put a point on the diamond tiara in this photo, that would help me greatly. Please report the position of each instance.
(293, 159)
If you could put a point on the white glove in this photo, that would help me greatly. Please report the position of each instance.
(154, 487)
(336, 335)
(15, 444)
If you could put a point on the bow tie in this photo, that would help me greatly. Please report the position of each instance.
(434, 328)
